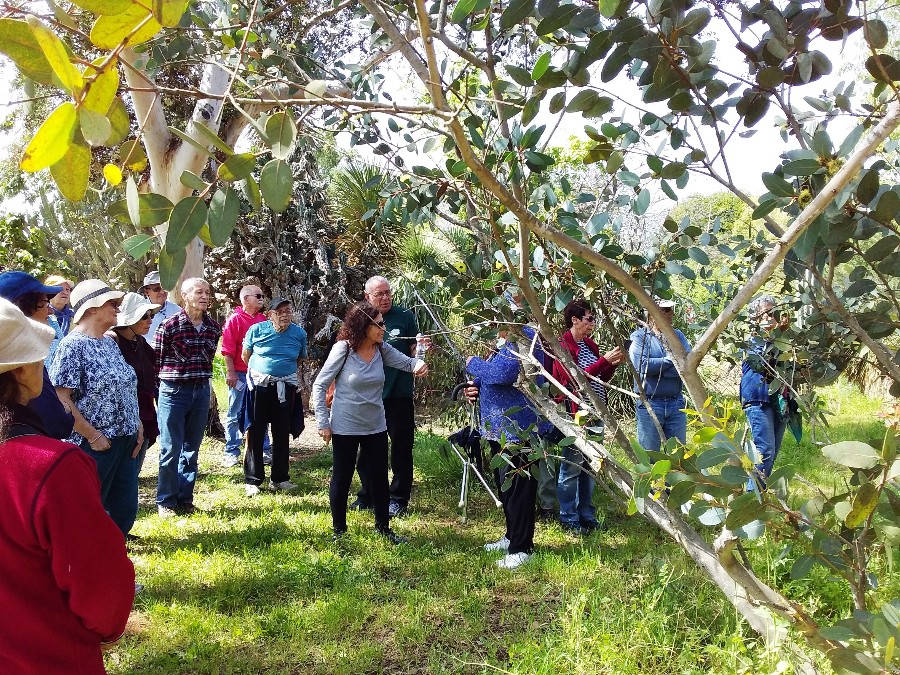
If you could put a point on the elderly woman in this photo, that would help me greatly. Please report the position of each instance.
(92, 377)
(575, 487)
(356, 422)
(272, 351)
(31, 296)
(130, 331)
(66, 583)
(61, 314)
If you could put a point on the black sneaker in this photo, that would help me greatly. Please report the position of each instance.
(591, 526)
(396, 509)
(357, 505)
(574, 528)
(391, 536)
(187, 509)
(338, 535)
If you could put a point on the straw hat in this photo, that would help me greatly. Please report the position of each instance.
(91, 293)
(22, 340)
(133, 308)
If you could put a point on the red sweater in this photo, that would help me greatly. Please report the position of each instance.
(236, 327)
(600, 368)
(66, 582)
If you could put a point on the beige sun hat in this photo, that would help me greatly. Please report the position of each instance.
(91, 293)
(22, 340)
(133, 308)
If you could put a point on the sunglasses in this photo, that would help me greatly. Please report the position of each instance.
(589, 319)
(155, 289)
(379, 324)
(147, 316)
(258, 296)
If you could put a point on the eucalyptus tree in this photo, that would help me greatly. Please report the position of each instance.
(461, 98)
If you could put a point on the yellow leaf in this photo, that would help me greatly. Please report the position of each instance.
(104, 7)
(73, 172)
(132, 27)
(52, 140)
(169, 12)
(100, 92)
(56, 55)
(112, 174)
(94, 127)
(119, 120)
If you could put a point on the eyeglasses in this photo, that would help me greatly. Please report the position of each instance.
(381, 294)
(379, 324)
(40, 304)
(589, 319)
(154, 289)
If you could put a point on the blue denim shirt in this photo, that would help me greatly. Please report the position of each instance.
(754, 378)
(658, 373)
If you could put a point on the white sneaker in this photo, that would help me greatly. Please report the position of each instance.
(513, 561)
(230, 461)
(251, 490)
(282, 486)
(501, 544)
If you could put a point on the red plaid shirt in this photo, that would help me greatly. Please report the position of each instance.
(184, 351)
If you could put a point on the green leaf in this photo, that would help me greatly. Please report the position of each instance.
(462, 10)
(171, 262)
(193, 181)
(139, 245)
(876, 33)
(251, 192)
(223, 214)
(276, 183)
(108, 32)
(540, 66)
(133, 155)
(867, 189)
(152, 209)
(519, 75)
(212, 138)
(855, 454)
(557, 102)
(55, 52)
(168, 13)
(698, 255)
(883, 68)
(764, 209)
(608, 7)
(185, 222)
(557, 19)
(190, 140)
(237, 167)
(802, 566)
(802, 167)
(95, 128)
(19, 44)
(641, 203)
(52, 140)
(859, 288)
(673, 170)
(119, 121)
(73, 172)
(516, 12)
(778, 186)
(881, 248)
(695, 21)
(680, 493)
(583, 100)
(744, 509)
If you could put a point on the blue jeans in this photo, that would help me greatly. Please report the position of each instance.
(182, 412)
(575, 489)
(234, 440)
(118, 479)
(672, 419)
(767, 428)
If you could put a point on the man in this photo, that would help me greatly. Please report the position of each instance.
(185, 345)
(401, 329)
(236, 327)
(651, 357)
(155, 293)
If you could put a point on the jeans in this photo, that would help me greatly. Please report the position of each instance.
(546, 487)
(401, 428)
(182, 412)
(233, 438)
(767, 428)
(672, 419)
(267, 409)
(118, 479)
(575, 489)
(344, 450)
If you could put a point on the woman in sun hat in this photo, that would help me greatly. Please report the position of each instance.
(90, 374)
(32, 297)
(132, 325)
(66, 583)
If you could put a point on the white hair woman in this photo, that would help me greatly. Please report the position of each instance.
(66, 583)
(92, 377)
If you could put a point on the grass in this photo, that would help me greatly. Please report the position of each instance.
(256, 585)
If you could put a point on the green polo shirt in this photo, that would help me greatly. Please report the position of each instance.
(400, 333)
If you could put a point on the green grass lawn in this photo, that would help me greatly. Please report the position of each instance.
(256, 585)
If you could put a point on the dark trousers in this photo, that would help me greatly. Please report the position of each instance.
(374, 447)
(518, 500)
(401, 429)
(268, 410)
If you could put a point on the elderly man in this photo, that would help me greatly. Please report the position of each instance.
(155, 293)
(185, 345)
(401, 330)
(236, 327)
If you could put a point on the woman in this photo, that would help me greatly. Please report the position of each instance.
(575, 487)
(132, 325)
(31, 297)
(272, 351)
(66, 584)
(92, 377)
(355, 422)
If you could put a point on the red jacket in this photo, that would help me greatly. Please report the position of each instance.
(600, 368)
(66, 583)
(236, 327)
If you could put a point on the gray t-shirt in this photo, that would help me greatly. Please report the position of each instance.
(357, 408)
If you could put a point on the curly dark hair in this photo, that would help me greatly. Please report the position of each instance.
(357, 320)
(28, 302)
(576, 309)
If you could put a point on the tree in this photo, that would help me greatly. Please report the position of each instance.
(658, 105)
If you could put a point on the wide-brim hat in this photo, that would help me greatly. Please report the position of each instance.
(664, 304)
(133, 308)
(91, 293)
(22, 340)
(15, 284)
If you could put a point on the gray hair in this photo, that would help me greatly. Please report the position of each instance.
(191, 283)
(370, 283)
(757, 303)
(245, 291)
